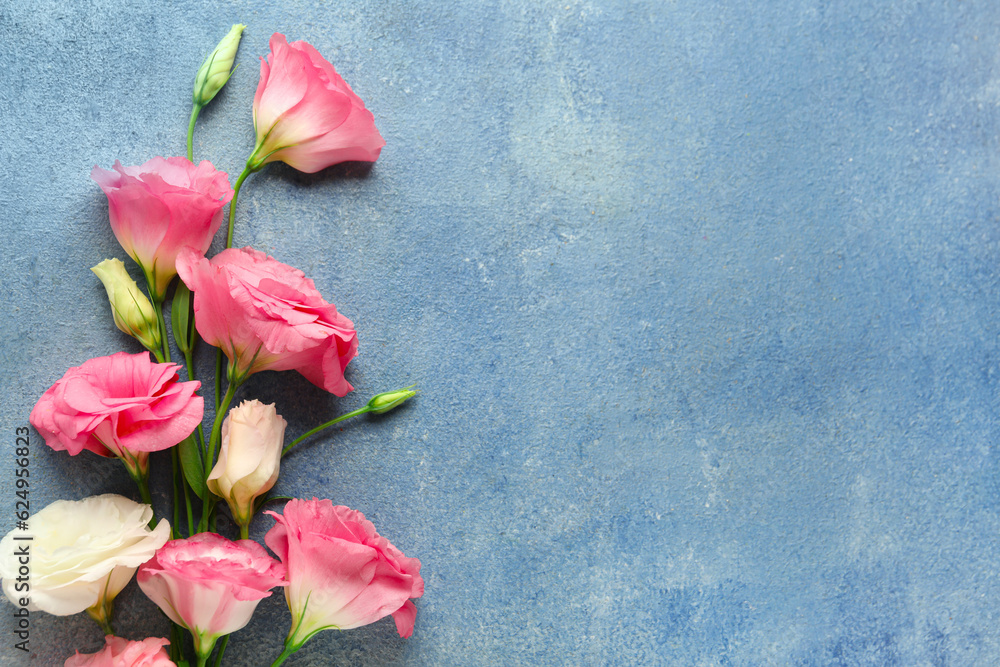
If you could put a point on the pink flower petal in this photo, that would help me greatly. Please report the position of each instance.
(124, 401)
(306, 115)
(341, 572)
(266, 315)
(161, 206)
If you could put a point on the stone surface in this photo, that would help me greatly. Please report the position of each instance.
(701, 298)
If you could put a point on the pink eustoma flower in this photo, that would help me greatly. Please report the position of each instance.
(119, 652)
(210, 585)
(306, 115)
(342, 574)
(162, 206)
(266, 315)
(123, 405)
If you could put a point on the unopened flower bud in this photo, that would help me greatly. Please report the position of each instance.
(132, 311)
(388, 400)
(217, 68)
(250, 458)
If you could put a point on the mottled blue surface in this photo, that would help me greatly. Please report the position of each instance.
(701, 298)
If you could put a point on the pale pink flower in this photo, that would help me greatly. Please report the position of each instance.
(162, 206)
(210, 585)
(306, 115)
(342, 574)
(119, 652)
(267, 316)
(252, 438)
(123, 405)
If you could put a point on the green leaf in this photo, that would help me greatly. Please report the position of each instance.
(194, 471)
(265, 499)
(180, 316)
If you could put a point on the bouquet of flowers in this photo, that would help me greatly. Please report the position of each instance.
(335, 570)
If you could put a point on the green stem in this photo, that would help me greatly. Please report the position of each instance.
(143, 484)
(157, 352)
(187, 350)
(222, 649)
(189, 362)
(355, 413)
(245, 532)
(232, 204)
(187, 505)
(101, 613)
(229, 244)
(220, 416)
(176, 642)
(175, 469)
(218, 378)
(102, 610)
(158, 307)
(288, 650)
(202, 651)
(190, 138)
(213, 441)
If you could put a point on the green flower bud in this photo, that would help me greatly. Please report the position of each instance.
(132, 311)
(216, 70)
(388, 400)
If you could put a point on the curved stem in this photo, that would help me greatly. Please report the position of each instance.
(218, 377)
(232, 204)
(158, 307)
(202, 647)
(220, 416)
(229, 244)
(187, 505)
(175, 467)
(105, 624)
(355, 413)
(189, 362)
(222, 649)
(102, 610)
(176, 642)
(137, 466)
(190, 139)
(213, 441)
(245, 531)
(288, 650)
(143, 483)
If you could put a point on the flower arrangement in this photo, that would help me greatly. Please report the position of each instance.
(334, 568)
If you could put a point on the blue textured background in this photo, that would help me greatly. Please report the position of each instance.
(701, 298)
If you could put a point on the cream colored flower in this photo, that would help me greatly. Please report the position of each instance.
(82, 554)
(248, 464)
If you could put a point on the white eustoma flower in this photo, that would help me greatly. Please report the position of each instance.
(82, 554)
